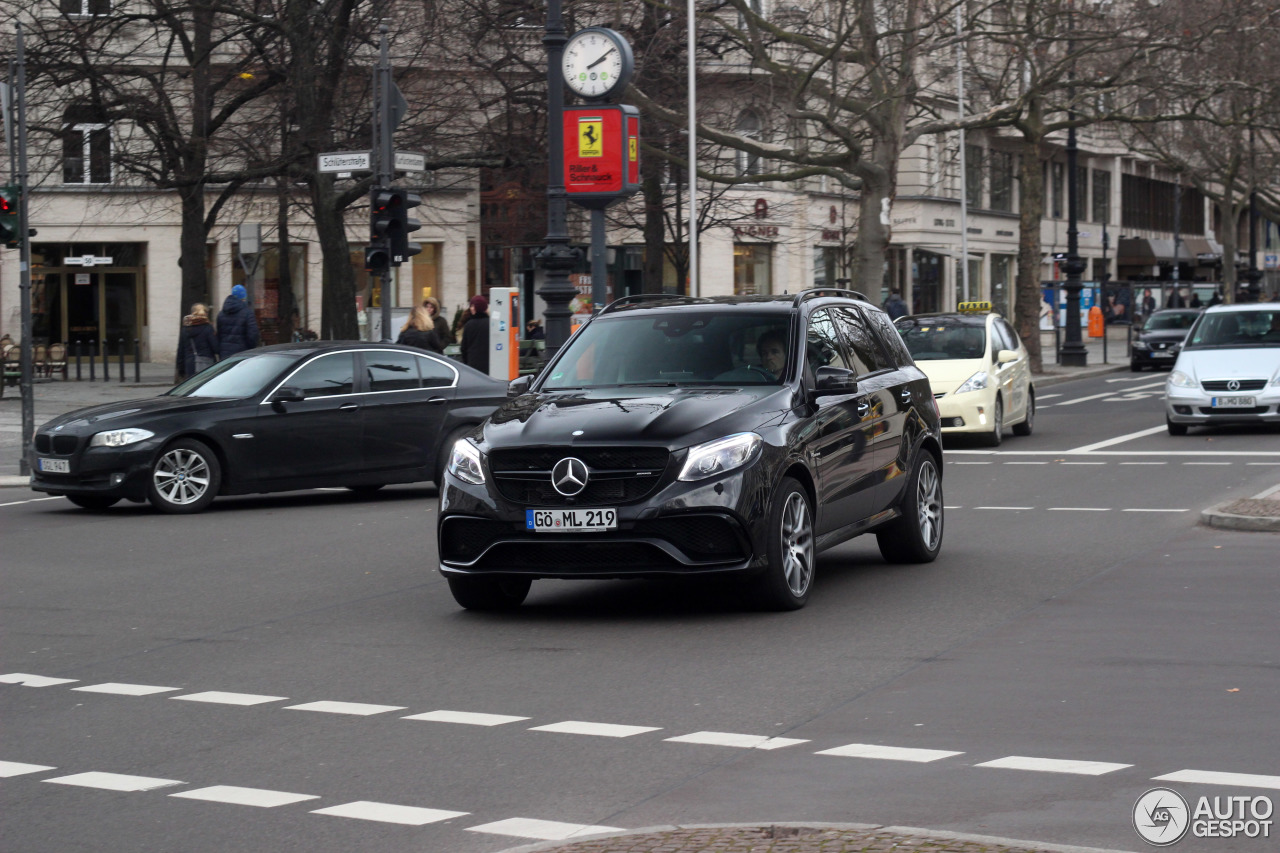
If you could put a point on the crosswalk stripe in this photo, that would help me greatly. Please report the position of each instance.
(888, 753)
(114, 781)
(388, 813)
(1054, 765)
(28, 680)
(237, 796)
(468, 718)
(577, 727)
(358, 709)
(546, 830)
(219, 698)
(125, 689)
(736, 740)
(1212, 777)
(17, 768)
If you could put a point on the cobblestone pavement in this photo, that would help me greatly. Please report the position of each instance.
(798, 838)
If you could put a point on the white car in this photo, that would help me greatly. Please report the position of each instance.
(1228, 371)
(978, 370)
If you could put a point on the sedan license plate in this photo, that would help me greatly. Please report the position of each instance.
(54, 466)
(570, 520)
(1161, 354)
(1232, 403)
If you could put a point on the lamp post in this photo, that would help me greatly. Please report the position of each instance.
(1073, 352)
(557, 257)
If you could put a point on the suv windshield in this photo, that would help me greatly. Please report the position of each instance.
(938, 338)
(1165, 322)
(1236, 329)
(676, 348)
(237, 376)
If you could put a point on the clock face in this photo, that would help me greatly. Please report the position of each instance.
(593, 64)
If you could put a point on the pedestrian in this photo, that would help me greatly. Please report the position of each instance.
(475, 335)
(237, 325)
(197, 342)
(1195, 300)
(1216, 299)
(533, 331)
(1177, 298)
(440, 324)
(1148, 302)
(418, 331)
(894, 306)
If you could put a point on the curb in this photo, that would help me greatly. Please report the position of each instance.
(795, 832)
(1219, 517)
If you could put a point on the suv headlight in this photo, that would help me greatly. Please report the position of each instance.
(976, 382)
(120, 437)
(721, 455)
(1178, 379)
(464, 462)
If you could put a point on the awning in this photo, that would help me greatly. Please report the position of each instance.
(1136, 252)
(1193, 247)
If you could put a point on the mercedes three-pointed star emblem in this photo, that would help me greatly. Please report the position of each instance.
(1233, 385)
(569, 476)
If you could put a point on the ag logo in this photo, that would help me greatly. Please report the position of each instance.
(1161, 817)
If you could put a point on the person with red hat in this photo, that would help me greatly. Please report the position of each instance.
(475, 335)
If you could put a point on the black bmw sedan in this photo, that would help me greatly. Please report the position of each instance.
(676, 437)
(292, 416)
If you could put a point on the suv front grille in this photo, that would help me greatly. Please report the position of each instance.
(1245, 385)
(617, 474)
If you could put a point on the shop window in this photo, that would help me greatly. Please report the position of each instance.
(752, 269)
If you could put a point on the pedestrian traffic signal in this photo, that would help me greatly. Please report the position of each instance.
(376, 258)
(390, 221)
(10, 232)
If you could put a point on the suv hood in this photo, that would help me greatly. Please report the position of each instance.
(1230, 363)
(680, 417)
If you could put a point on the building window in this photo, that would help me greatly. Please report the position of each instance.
(1002, 267)
(1001, 180)
(973, 173)
(85, 7)
(86, 148)
(749, 126)
(1101, 196)
(752, 269)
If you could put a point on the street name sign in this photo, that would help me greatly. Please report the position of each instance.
(346, 161)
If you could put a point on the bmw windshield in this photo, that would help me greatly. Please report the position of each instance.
(675, 348)
(238, 376)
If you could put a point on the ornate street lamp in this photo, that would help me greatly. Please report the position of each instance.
(1073, 353)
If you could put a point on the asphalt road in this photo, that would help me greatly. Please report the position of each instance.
(1077, 614)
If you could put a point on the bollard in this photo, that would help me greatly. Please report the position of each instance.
(78, 343)
(137, 364)
(93, 370)
(106, 362)
(120, 356)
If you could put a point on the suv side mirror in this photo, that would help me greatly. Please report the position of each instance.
(520, 385)
(834, 380)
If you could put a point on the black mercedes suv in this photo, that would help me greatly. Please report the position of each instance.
(677, 436)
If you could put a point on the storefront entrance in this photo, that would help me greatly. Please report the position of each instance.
(83, 294)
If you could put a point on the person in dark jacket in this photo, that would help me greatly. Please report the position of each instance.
(237, 326)
(475, 335)
(894, 306)
(418, 331)
(197, 341)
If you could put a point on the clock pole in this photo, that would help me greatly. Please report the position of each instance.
(557, 257)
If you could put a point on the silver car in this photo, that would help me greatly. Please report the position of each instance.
(1228, 371)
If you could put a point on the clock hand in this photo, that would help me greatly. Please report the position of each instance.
(602, 57)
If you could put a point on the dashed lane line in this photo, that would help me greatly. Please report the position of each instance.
(237, 796)
(737, 740)
(388, 813)
(18, 768)
(28, 680)
(888, 753)
(118, 689)
(1014, 508)
(466, 718)
(218, 697)
(357, 709)
(546, 830)
(1053, 765)
(1112, 393)
(1079, 509)
(32, 501)
(1211, 777)
(578, 727)
(114, 781)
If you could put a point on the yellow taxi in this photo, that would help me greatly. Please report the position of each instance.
(978, 369)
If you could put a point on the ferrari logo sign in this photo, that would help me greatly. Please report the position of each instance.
(591, 136)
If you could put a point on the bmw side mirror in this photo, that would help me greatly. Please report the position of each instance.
(286, 394)
(520, 385)
(834, 380)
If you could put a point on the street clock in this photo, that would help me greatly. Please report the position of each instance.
(597, 63)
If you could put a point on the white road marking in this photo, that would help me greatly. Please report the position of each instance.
(355, 708)
(236, 796)
(1047, 396)
(1208, 463)
(1054, 765)
(546, 830)
(740, 741)
(114, 781)
(1026, 463)
(466, 718)
(972, 463)
(1019, 508)
(17, 768)
(1079, 509)
(1081, 451)
(388, 813)
(1148, 463)
(219, 698)
(1148, 509)
(1262, 463)
(32, 501)
(1210, 777)
(945, 506)
(1118, 439)
(28, 680)
(125, 689)
(1127, 379)
(1083, 463)
(888, 753)
(577, 727)
(1111, 393)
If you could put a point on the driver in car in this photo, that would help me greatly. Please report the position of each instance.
(772, 347)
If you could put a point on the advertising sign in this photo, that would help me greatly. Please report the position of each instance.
(601, 153)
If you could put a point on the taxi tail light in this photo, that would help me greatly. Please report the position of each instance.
(936, 410)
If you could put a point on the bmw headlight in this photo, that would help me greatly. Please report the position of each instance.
(1178, 379)
(464, 462)
(976, 382)
(120, 437)
(721, 455)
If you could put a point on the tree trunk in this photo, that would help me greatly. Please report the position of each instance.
(1229, 214)
(287, 304)
(654, 226)
(1028, 296)
(338, 307)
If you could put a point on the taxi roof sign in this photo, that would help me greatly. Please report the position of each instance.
(974, 307)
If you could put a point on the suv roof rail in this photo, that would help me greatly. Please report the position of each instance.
(815, 292)
(646, 297)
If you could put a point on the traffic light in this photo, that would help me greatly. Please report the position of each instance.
(390, 221)
(375, 257)
(10, 232)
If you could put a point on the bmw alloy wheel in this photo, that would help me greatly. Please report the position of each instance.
(185, 477)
